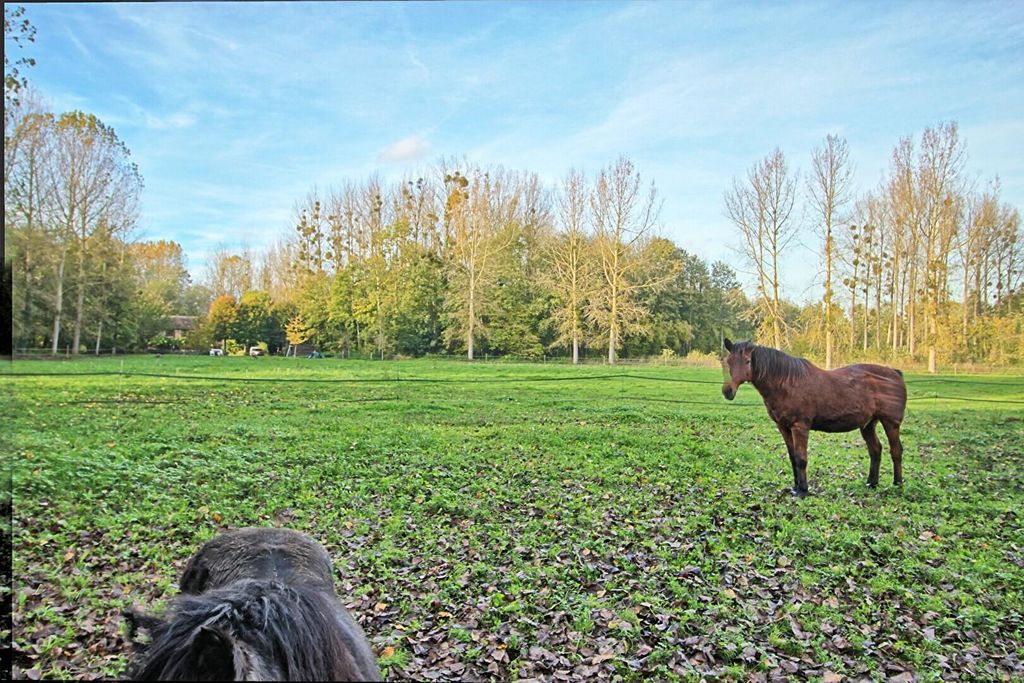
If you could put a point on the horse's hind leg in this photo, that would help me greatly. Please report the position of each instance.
(892, 431)
(874, 451)
(799, 433)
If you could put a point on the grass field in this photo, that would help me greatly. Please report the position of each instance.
(509, 520)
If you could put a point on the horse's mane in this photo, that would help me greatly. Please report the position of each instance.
(772, 365)
(283, 632)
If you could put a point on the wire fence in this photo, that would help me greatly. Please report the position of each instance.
(399, 380)
(451, 380)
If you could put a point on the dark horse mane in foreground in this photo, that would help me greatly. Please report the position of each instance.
(257, 604)
(200, 637)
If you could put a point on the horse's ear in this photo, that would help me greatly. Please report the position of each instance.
(728, 345)
(213, 653)
(137, 620)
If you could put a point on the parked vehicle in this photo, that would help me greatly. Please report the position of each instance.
(216, 352)
(256, 351)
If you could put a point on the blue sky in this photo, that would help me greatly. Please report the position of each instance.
(235, 111)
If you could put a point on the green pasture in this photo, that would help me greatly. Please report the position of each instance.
(524, 520)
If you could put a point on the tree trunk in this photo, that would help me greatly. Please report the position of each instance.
(612, 328)
(866, 314)
(853, 316)
(612, 331)
(58, 302)
(932, 330)
(26, 318)
(472, 320)
(776, 328)
(79, 307)
(912, 312)
(611, 345)
(878, 307)
(828, 298)
(966, 304)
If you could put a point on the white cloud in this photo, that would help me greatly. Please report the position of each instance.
(407, 149)
(179, 120)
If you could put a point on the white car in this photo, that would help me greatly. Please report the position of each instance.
(256, 351)
(216, 352)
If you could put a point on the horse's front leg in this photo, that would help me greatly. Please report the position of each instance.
(798, 433)
(787, 436)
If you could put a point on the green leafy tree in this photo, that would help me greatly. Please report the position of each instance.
(296, 331)
(340, 311)
(519, 320)
(417, 322)
(313, 304)
(221, 319)
(255, 321)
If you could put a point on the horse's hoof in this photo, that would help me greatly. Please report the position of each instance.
(872, 484)
(898, 483)
(800, 493)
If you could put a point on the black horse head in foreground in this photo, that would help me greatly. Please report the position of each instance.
(256, 604)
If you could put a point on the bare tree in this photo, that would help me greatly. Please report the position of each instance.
(940, 176)
(311, 227)
(979, 235)
(905, 201)
(96, 187)
(761, 208)
(828, 192)
(866, 257)
(231, 274)
(276, 273)
(28, 198)
(572, 273)
(1008, 256)
(376, 307)
(624, 218)
(478, 208)
(415, 205)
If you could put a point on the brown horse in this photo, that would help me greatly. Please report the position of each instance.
(800, 397)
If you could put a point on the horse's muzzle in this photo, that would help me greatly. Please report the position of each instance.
(728, 392)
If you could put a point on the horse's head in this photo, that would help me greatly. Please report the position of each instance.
(257, 553)
(736, 367)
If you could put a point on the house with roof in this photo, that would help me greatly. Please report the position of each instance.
(177, 326)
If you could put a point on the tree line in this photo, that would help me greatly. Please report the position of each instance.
(472, 260)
